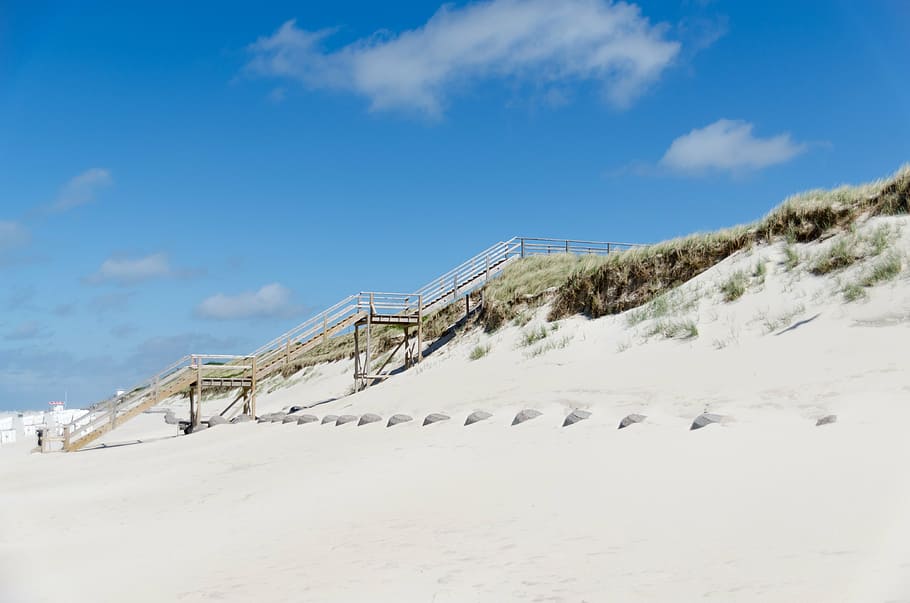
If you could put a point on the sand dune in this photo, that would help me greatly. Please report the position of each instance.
(763, 506)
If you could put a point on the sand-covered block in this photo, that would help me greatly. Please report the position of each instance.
(705, 419)
(826, 420)
(277, 417)
(631, 420)
(329, 419)
(525, 415)
(575, 416)
(171, 419)
(241, 419)
(368, 418)
(217, 420)
(435, 417)
(345, 419)
(304, 419)
(289, 419)
(398, 419)
(477, 416)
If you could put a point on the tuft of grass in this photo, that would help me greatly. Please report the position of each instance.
(884, 270)
(670, 303)
(549, 345)
(773, 323)
(853, 292)
(674, 329)
(735, 286)
(841, 254)
(531, 337)
(522, 319)
(761, 269)
(791, 258)
(479, 352)
(880, 239)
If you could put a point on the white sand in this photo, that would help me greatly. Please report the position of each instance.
(767, 507)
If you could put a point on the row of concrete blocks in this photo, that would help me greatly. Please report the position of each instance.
(702, 420)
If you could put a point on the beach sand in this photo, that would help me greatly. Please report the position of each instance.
(765, 506)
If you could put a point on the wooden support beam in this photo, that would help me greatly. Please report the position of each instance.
(198, 393)
(419, 328)
(253, 388)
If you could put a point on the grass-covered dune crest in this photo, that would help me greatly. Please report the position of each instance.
(598, 286)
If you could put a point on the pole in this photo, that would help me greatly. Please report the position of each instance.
(198, 392)
(253, 389)
(366, 362)
(419, 328)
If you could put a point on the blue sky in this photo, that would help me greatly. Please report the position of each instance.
(180, 179)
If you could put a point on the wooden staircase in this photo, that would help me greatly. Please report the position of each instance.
(348, 314)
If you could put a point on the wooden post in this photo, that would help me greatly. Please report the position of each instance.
(253, 388)
(325, 329)
(522, 248)
(407, 349)
(419, 328)
(287, 353)
(366, 360)
(487, 275)
(356, 357)
(567, 246)
(467, 305)
(192, 406)
(198, 392)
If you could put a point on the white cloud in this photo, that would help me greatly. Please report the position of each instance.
(12, 235)
(126, 271)
(728, 145)
(536, 41)
(82, 189)
(271, 300)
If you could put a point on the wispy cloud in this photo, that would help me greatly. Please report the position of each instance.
(129, 271)
(531, 41)
(82, 189)
(27, 330)
(111, 302)
(271, 300)
(12, 236)
(728, 145)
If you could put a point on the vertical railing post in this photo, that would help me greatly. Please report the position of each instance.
(325, 328)
(567, 246)
(522, 247)
(253, 388)
(198, 393)
(419, 327)
(366, 360)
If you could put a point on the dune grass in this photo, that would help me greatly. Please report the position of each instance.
(479, 352)
(735, 286)
(629, 279)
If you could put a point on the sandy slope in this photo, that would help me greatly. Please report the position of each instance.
(767, 507)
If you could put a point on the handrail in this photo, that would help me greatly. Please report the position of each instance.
(437, 293)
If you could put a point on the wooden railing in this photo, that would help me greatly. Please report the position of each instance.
(272, 356)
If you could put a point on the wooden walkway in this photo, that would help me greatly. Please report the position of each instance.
(356, 312)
